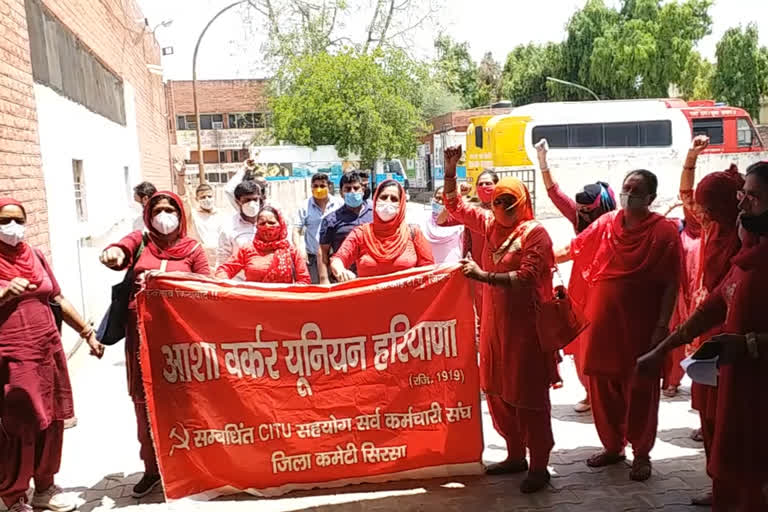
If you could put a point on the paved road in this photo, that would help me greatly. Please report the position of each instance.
(101, 461)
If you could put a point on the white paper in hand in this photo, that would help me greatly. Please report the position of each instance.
(703, 371)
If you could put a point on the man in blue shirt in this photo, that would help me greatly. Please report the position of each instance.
(338, 224)
(307, 224)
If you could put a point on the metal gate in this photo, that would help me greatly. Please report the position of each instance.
(527, 176)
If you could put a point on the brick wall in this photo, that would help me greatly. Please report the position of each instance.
(109, 28)
(214, 97)
(218, 96)
(21, 175)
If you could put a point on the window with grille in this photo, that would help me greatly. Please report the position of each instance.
(79, 185)
(712, 128)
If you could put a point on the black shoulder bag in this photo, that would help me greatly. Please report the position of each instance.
(112, 326)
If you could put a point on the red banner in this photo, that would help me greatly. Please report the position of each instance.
(266, 388)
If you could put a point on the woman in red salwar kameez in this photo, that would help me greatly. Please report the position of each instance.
(387, 245)
(168, 248)
(270, 259)
(517, 273)
(591, 203)
(738, 453)
(35, 394)
(633, 279)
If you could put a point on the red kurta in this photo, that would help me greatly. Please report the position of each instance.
(256, 266)
(195, 262)
(739, 452)
(628, 275)
(691, 243)
(35, 392)
(353, 251)
(514, 372)
(627, 278)
(511, 363)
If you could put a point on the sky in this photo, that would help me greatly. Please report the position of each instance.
(230, 49)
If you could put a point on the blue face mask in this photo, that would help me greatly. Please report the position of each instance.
(353, 199)
(437, 208)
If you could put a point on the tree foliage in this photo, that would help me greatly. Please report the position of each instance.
(635, 51)
(741, 74)
(308, 27)
(363, 103)
(524, 79)
(456, 70)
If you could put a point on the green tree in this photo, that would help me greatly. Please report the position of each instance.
(648, 48)
(456, 70)
(696, 79)
(524, 79)
(438, 100)
(488, 81)
(368, 104)
(741, 73)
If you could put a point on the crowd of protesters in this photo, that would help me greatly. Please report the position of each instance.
(652, 288)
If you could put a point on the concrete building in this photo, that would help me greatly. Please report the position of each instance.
(82, 120)
(233, 116)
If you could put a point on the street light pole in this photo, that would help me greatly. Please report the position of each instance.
(564, 82)
(201, 165)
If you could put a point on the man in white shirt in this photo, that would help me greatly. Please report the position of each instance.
(241, 230)
(142, 193)
(205, 222)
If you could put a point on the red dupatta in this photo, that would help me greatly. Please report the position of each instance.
(386, 241)
(500, 238)
(716, 197)
(281, 267)
(158, 245)
(621, 252)
(19, 261)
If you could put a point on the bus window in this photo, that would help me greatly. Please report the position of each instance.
(712, 128)
(557, 135)
(744, 132)
(585, 136)
(622, 135)
(479, 136)
(655, 133)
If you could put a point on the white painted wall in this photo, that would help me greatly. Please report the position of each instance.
(69, 131)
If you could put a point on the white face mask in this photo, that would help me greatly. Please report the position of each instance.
(206, 203)
(250, 209)
(12, 233)
(166, 223)
(386, 210)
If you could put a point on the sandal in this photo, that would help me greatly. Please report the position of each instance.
(507, 467)
(583, 406)
(535, 481)
(670, 392)
(702, 500)
(604, 458)
(641, 469)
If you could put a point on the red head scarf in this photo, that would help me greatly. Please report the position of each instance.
(716, 196)
(500, 236)
(281, 268)
(386, 241)
(158, 246)
(19, 261)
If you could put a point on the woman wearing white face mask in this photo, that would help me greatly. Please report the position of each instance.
(385, 246)
(35, 393)
(168, 248)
